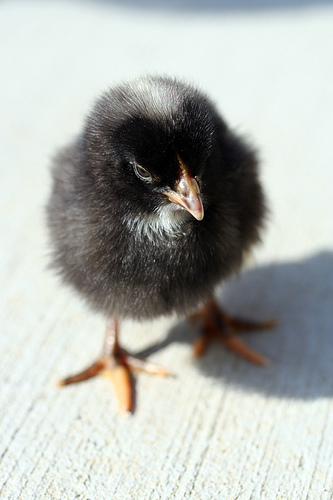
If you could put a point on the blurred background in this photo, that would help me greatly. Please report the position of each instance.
(226, 430)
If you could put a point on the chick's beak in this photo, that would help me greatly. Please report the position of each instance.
(186, 192)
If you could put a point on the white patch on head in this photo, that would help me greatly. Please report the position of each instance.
(154, 97)
(164, 224)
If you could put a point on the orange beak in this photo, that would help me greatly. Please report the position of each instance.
(186, 192)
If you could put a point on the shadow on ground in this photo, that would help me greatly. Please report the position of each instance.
(299, 295)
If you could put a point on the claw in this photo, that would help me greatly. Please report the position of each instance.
(217, 325)
(117, 365)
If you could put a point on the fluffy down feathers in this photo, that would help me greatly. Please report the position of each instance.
(116, 238)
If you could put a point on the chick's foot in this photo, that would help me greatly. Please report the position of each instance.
(217, 325)
(117, 365)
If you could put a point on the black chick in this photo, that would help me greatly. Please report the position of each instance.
(154, 204)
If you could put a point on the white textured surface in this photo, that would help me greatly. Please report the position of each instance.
(222, 428)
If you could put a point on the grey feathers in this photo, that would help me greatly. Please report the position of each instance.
(116, 238)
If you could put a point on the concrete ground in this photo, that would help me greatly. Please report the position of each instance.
(221, 429)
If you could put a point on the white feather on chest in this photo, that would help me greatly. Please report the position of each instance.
(168, 222)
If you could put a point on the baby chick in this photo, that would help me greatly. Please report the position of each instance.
(153, 205)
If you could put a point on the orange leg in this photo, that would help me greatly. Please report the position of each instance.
(217, 325)
(117, 365)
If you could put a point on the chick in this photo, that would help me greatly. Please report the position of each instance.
(153, 205)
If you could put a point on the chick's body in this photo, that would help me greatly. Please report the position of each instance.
(153, 205)
(128, 249)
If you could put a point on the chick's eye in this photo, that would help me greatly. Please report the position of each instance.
(142, 172)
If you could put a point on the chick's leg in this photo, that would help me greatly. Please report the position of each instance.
(117, 365)
(217, 325)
